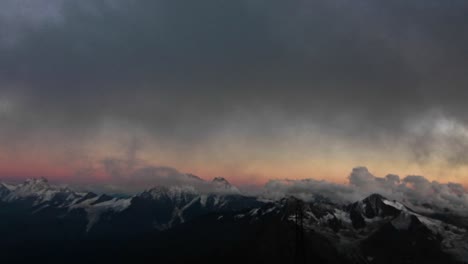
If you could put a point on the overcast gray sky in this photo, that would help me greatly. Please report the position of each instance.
(248, 89)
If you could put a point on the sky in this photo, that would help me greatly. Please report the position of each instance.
(251, 90)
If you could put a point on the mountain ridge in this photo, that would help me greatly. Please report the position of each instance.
(163, 211)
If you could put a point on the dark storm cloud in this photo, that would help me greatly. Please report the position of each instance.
(183, 69)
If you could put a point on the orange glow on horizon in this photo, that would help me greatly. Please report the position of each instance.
(253, 175)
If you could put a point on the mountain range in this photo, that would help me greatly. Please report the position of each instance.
(178, 224)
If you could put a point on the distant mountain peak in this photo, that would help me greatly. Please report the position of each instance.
(36, 180)
(375, 205)
(41, 191)
(375, 197)
(220, 180)
(194, 177)
(290, 199)
(222, 185)
(42, 183)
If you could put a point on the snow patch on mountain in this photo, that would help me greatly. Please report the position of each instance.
(95, 210)
(8, 186)
(203, 199)
(394, 204)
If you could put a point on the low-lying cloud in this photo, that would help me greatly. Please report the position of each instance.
(132, 176)
(414, 191)
(129, 177)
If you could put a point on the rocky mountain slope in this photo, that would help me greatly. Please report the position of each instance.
(180, 223)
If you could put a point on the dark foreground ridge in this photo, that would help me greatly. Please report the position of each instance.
(46, 223)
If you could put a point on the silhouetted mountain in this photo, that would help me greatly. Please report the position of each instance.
(181, 224)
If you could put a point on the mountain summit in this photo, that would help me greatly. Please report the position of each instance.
(370, 230)
(222, 185)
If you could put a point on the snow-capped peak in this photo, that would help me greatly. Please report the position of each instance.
(35, 184)
(38, 185)
(372, 207)
(41, 191)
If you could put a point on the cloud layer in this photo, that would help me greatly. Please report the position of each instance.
(415, 191)
(235, 84)
(130, 176)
